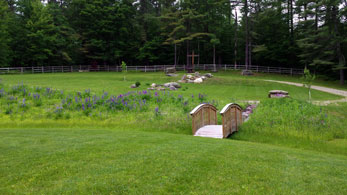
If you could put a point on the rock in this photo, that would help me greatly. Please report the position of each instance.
(197, 74)
(172, 88)
(246, 73)
(152, 88)
(176, 85)
(172, 75)
(182, 81)
(161, 89)
(133, 86)
(189, 76)
(154, 85)
(184, 77)
(198, 80)
(171, 70)
(208, 75)
(190, 81)
(172, 84)
(278, 94)
(204, 78)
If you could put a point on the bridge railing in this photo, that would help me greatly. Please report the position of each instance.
(202, 115)
(231, 118)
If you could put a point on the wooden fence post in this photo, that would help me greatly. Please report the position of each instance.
(32, 70)
(42, 69)
(21, 70)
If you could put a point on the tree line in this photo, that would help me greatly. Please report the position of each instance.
(287, 33)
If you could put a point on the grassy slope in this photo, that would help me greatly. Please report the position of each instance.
(59, 161)
(49, 160)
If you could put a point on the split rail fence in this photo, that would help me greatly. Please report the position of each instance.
(152, 68)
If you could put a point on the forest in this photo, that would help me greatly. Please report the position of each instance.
(286, 33)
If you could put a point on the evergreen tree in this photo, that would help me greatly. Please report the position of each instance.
(4, 34)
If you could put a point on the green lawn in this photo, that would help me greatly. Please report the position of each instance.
(287, 147)
(226, 86)
(56, 161)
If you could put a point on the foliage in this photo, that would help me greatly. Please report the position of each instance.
(38, 33)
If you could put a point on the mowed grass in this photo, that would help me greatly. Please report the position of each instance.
(57, 161)
(225, 86)
(139, 153)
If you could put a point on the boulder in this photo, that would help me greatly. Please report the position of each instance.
(172, 75)
(171, 70)
(278, 94)
(208, 75)
(133, 86)
(203, 77)
(176, 85)
(172, 84)
(197, 74)
(184, 77)
(246, 73)
(154, 85)
(189, 76)
(198, 80)
(173, 88)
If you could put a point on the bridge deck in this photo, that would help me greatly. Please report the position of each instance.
(214, 131)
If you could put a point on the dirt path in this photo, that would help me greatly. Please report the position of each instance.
(320, 88)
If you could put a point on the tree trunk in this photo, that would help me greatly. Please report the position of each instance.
(235, 37)
(340, 56)
(342, 76)
(247, 34)
(290, 12)
(214, 58)
(175, 54)
(198, 52)
(316, 16)
(188, 53)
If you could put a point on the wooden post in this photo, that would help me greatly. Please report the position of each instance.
(71, 68)
(291, 71)
(42, 69)
(32, 70)
(225, 67)
(21, 70)
(145, 69)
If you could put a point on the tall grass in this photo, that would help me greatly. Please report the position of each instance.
(295, 123)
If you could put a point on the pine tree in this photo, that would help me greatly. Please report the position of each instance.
(4, 34)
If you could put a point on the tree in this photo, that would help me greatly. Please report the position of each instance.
(4, 34)
(308, 78)
(40, 33)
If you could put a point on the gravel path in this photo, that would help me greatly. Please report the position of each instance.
(320, 88)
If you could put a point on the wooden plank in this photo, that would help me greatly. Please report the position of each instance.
(212, 131)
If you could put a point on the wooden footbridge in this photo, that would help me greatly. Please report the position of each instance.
(204, 119)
